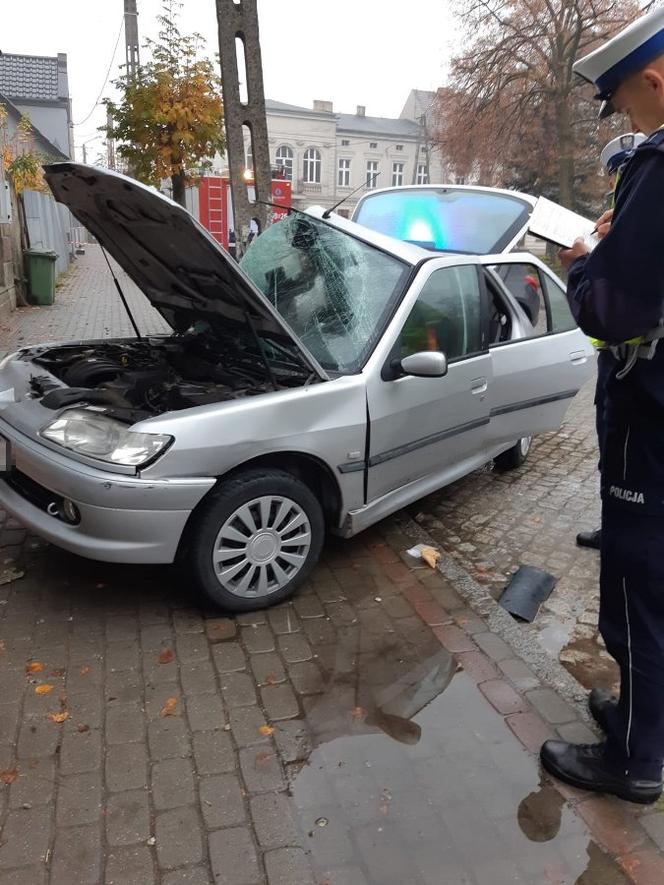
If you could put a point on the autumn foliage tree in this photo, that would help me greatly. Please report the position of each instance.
(169, 120)
(515, 114)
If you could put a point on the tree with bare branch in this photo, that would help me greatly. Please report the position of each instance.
(515, 114)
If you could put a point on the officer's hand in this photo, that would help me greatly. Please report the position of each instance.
(603, 224)
(568, 256)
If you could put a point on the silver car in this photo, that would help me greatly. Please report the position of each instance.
(335, 376)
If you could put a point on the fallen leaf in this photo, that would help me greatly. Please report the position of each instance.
(430, 555)
(83, 728)
(84, 670)
(43, 689)
(266, 729)
(166, 656)
(169, 707)
(270, 679)
(357, 713)
(58, 717)
(34, 667)
(9, 776)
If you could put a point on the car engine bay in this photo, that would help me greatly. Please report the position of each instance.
(137, 379)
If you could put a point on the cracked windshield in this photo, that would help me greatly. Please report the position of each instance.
(333, 290)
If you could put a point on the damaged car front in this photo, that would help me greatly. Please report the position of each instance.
(219, 442)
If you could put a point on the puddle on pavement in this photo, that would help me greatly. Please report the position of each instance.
(581, 655)
(411, 777)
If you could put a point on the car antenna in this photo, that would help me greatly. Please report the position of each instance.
(121, 294)
(367, 183)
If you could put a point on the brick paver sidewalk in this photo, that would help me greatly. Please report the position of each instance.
(374, 731)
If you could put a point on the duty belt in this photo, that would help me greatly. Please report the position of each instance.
(642, 348)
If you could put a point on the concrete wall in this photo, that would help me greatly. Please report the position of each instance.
(51, 121)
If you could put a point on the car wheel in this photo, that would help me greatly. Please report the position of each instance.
(255, 539)
(514, 457)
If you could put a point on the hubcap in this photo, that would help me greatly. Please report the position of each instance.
(262, 546)
(524, 445)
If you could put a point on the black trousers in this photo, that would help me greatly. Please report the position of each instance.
(632, 587)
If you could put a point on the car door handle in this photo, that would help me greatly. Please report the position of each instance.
(578, 357)
(479, 385)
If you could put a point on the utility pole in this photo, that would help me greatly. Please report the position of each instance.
(239, 22)
(131, 37)
(85, 154)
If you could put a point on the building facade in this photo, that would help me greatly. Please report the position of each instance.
(328, 155)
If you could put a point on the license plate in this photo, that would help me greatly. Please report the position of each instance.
(4, 455)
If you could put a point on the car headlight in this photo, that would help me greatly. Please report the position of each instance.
(97, 436)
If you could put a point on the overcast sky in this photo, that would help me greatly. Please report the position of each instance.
(347, 51)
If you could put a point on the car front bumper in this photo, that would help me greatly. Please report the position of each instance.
(122, 518)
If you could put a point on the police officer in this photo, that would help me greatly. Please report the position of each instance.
(617, 295)
(614, 156)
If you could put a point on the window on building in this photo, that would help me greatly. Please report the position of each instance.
(311, 166)
(399, 147)
(373, 145)
(345, 142)
(284, 161)
(372, 173)
(422, 174)
(343, 178)
(397, 174)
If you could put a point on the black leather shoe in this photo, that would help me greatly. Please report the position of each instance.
(600, 702)
(584, 766)
(590, 539)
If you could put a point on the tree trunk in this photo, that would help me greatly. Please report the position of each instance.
(565, 141)
(178, 185)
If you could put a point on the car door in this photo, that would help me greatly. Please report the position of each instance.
(431, 427)
(541, 365)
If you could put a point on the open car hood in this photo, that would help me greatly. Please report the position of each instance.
(449, 218)
(181, 269)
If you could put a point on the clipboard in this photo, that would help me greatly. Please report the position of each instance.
(560, 226)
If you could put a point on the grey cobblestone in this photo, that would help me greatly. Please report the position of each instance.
(38, 737)
(306, 678)
(222, 801)
(122, 655)
(238, 689)
(179, 840)
(283, 619)
(26, 835)
(280, 702)
(295, 648)
(293, 740)
(261, 769)
(552, 707)
(77, 856)
(274, 821)
(288, 866)
(156, 697)
(205, 712)
(35, 784)
(172, 784)
(79, 799)
(192, 647)
(26, 876)
(188, 876)
(220, 629)
(126, 767)
(245, 725)
(257, 639)
(198, 678)
(233, 857)
(213, 751)
(128, 818)
(125, 723)
(168, 737)
(267, 669)
(130, 866)
(229, 657)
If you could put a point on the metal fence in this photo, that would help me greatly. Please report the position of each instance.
(51, 226)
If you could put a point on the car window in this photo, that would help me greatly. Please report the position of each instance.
(336, 292)
(446, 219)
(542, 299)
(523, 281)
(446, 316)
(562, 319)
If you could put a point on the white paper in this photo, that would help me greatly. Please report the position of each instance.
(560, 226)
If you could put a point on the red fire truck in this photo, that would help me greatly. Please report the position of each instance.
(215, 206)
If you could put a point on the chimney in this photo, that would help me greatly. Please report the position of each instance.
(361, 110)
(325, 107)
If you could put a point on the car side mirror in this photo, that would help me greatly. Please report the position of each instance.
(426, 364)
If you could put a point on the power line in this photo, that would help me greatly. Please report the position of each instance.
(108, 73)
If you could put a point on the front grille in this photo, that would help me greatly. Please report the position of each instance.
(30, 490)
